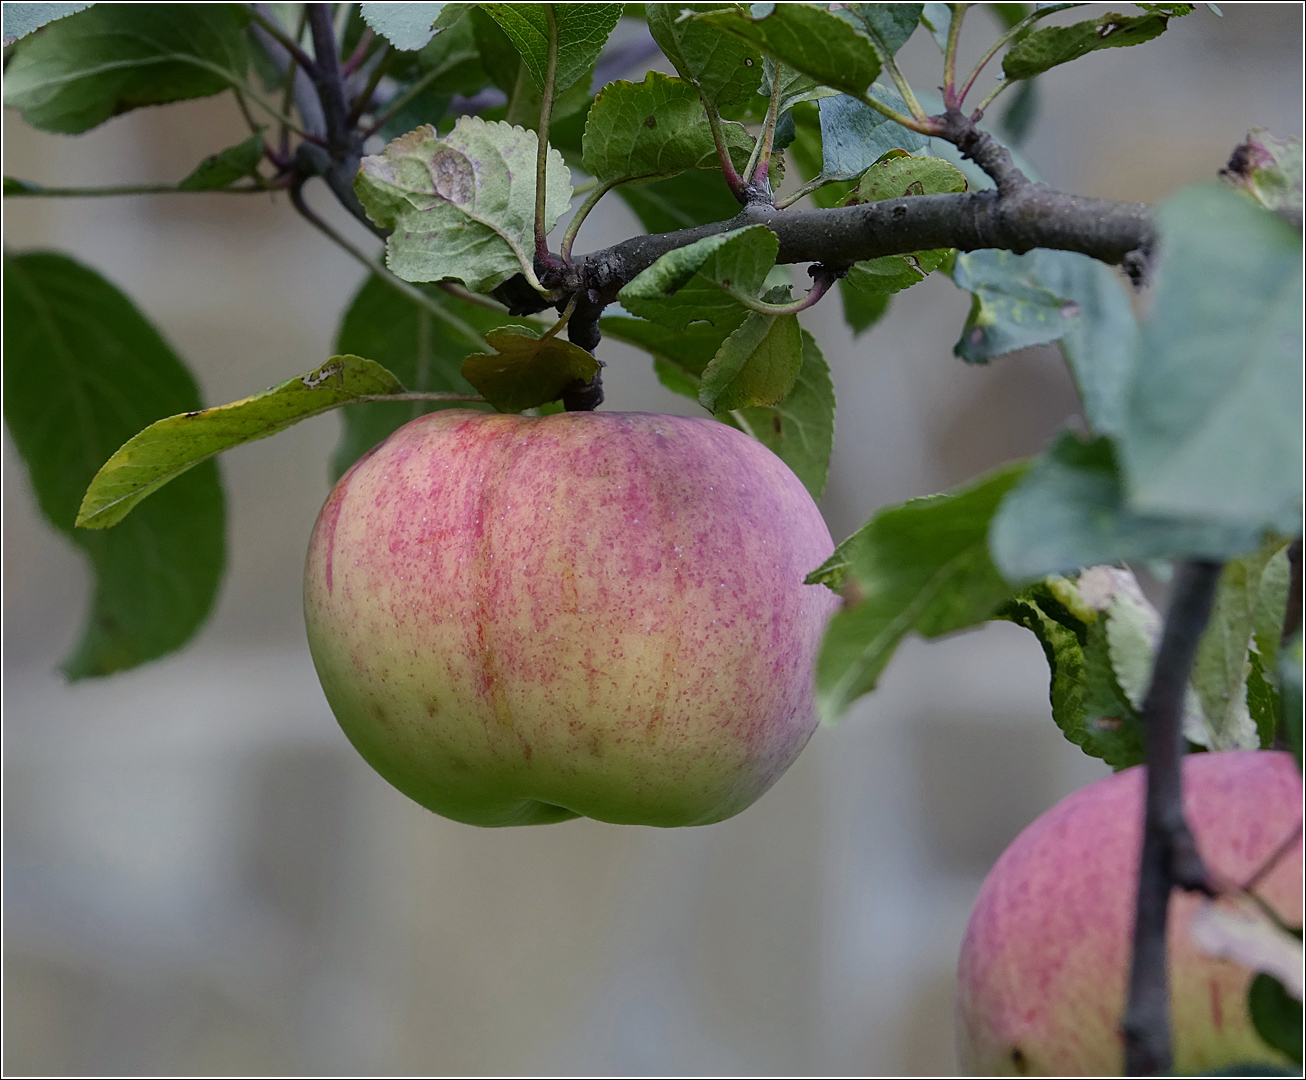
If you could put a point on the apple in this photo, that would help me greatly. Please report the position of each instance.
(1045, 961)
(519, 620)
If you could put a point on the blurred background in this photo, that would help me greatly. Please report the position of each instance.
(200, 874)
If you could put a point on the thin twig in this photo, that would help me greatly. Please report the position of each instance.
(396, 105)
(733, 178)
(927, 126)
(327, 78)
(990, 97)
(37, 191)
(285, 40)
(950, 56)
(1169, 856)
(542, 253)
(359, 54)
(904, 88)
(411, 291)
(822, 279)
(756, 172)
(1027, 21)
(364, 98)
(418, 395)
(578, 219)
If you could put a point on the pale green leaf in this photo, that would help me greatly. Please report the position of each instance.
(937, 19)
(1012, 306)
(854, 136)
(1069, 511)
(799, 430)
(226, 166)
(726, 70)
(922, 566)
(1050, 46)
(757, 364)
(808, 39)
(461, 207)
(689, 284)
(171, 446)
(111, 58)
(410, 26)
(21, 19)
(1223, 665)
(425, 351)
(525, 371)
(1214, 419)
(652, 130)
(83, 372)
(582, 30)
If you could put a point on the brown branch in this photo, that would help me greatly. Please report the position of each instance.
(1170, 858)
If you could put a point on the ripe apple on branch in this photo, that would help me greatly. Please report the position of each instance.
(520, 616)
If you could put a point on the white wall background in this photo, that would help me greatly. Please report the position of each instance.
(201, 876)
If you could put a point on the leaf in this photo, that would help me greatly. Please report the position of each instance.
(800, 429)
(1223, 664)
(795, 88)
(887, 25)
(1012, 308)
(226, 166)
(651, 130)
(14, 186)
(922, 566)
(411, 26)
(855, 136)
(1088, 704)
(1270, 171)
(526, 371)
(1276, 1015)
(725, 70)
(862, 308)
(680, 202)
(808, 39)
(423, 351)
(1050, 46)
(112, 58)
(1214, 421)
(679, 356)
(461, 207)
(83, 372)
(171, 446)
(937, 19)
(688, 284)
(757, 364)
(1290, 694)
(1069, 511)
(582, 29)
(23, 19)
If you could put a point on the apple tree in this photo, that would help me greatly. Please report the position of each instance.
(462, 135)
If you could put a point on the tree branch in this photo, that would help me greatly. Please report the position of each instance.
(1169, 855)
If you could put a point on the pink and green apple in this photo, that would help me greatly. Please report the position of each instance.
(1045, 961)
(520, 620)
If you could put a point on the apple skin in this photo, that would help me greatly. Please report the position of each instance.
(519, 620)
(1045, 961)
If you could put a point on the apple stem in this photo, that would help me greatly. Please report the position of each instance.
(1169, 856)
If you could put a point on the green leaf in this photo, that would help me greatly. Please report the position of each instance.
(651, 130)
(1270, 171)
(897, 173)
(862, 308)
(795, 88)
(1223, 665)
(1276, 1015)
(799, 430)
(525, 370)
(757, 364)
(425, 353)
(922, 566)
(887, 25)
(112, 58)
(1012, 307)
(695, 197)
(411, 26)
(14, 186)
(679, 356)
(226, 166)
(84, 371)
(171, 446)
(1088, 704)
(1050, 46)
(461, 207)
(855, 136)
(688, 284)
(22, 19)
(583, 30)
(1290, 694)
(937, 19)
(726, 70)
(1214, 421)
(808, 39)
(1069, 511)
